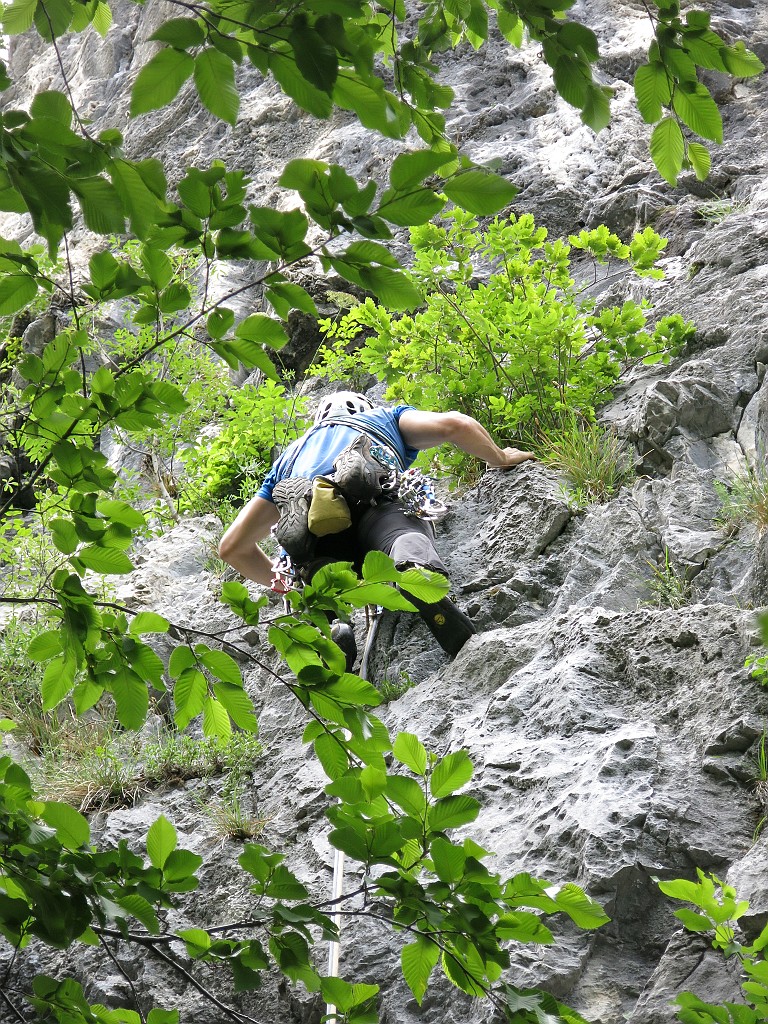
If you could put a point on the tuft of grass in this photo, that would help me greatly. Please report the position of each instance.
(667, 586)
(760, 782)
(594, 460)
(98, 779)
(231, 820)
(177, 757)
(393, 689)
(745, 500)
(713, 211)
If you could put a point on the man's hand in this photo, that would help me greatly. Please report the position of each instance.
(512, 457)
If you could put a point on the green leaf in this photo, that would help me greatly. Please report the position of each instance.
(45, 646)
(106, 561)
(409, 751)
(418, 960)
(698, 110)
(583, 911)
(238, 706)
(652, 90)
(453, 772)
(596, 109)
(18, 16)
(700, 159)
(315, 58)
(58, 679)
(414, 207)
(408, 794)
(449, 860)
(215, 81)
(263, 330)
(16, 291)
(72, 829)
(131, 699)
(181, 33)
(52, 104)
(332, 755)
(741, 62)
(451, 812)
(223, 666)
(148, 622)
(102, 210)
(667, 149)
(379, 568)
(692, 921)
(219, 322)
(158, 1016)
(141, 909)
(393, 288)
(189, 693)
(161, 841)
(294, 84)
(285, 297)
(159, 81)
(424, 584)
(410, 169)
(215, 719)
(181, 865)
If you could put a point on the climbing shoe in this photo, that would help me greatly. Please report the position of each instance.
(292, 498)
(357, 474)
(447, 623)
(343, 636)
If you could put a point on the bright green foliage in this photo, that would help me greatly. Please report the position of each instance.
(256, 423)
(397, 821)
(669, 94)
(717, 912)
(525, 350)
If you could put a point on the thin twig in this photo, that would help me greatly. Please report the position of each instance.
(124, 973)
(11, 1005)
(234, 1014)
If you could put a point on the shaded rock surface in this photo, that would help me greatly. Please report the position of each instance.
(613, 741)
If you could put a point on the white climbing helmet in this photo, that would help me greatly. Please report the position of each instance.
(343, 402)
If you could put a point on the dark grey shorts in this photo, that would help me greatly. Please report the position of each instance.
(383, 527)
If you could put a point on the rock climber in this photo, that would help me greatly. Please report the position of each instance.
(356, 445)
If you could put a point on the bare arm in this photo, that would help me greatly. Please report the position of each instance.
(430, 429)
(239, 546)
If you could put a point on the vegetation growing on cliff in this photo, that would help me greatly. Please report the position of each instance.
(395, 818)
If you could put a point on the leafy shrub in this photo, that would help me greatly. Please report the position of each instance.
(523, 351)
(718, 911)
(256, 422)
(595, 461)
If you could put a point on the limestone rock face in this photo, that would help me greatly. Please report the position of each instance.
(613, 737)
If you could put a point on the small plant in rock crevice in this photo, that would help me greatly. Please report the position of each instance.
(667, 585)
(393, 688)
(230, 817)
(745, 498)
(594, 460)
